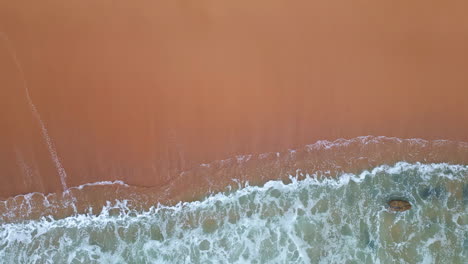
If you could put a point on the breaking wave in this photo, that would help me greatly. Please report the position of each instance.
(309, 220)
(322, 203)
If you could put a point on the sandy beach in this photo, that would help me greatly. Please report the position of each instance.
(140, 92)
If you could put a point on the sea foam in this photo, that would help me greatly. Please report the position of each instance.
(307, 220)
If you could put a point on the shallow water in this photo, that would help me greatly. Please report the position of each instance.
(343, 220)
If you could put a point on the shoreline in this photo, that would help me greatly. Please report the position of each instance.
(323, 159)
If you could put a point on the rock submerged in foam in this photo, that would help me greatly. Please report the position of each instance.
(399, 205)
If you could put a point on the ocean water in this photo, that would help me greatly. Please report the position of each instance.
(306, 219)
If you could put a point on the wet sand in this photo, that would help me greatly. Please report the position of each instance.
(139, 92)
(320, 161)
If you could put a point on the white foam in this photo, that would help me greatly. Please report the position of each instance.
(80, 187)
(181, 226)
(243, 158)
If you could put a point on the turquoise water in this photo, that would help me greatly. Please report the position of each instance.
(343, 220)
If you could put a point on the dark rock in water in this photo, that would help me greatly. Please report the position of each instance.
(399, 205)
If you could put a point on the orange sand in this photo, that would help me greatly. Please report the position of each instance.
(139, 91)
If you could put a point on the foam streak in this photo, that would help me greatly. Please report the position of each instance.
(45, 135)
